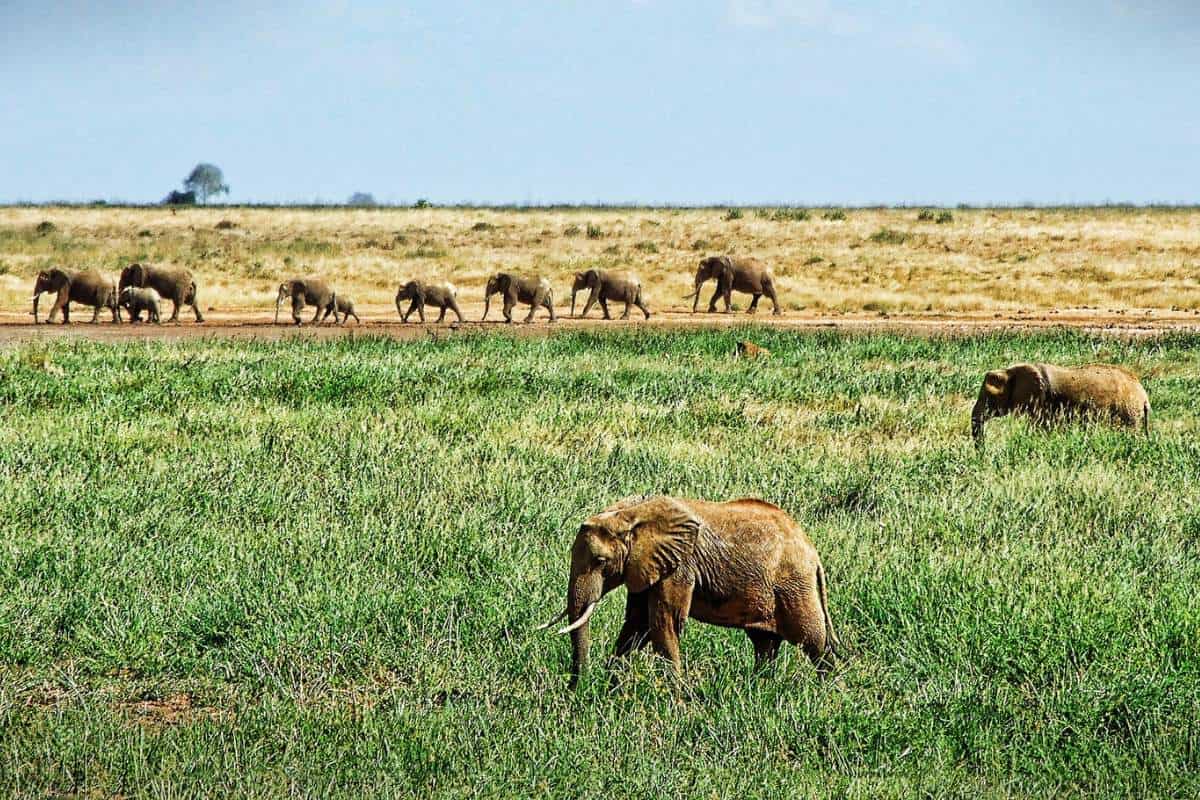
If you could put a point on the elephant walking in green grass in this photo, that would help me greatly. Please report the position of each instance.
(747, 275)
(741, 564)
(619, 287)
(1046, 391)
(88, 288)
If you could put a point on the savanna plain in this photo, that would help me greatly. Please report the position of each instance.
(313, 567)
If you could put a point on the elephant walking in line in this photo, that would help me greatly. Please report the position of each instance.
(176, 285)
(740, 564)
(311, 291)
(345, 306)
(135, 301)
(748, 275)
(533, 289)
(88, 288)
(441, 295)
(616, 286)
(1045, 391)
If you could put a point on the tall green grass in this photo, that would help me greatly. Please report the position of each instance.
(337, 552)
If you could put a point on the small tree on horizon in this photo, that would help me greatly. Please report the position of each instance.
(206, 180)
(361, 199)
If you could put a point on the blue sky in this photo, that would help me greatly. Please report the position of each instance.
(652, 101)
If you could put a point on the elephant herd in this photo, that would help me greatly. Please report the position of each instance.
(143, 288)
(747, 564)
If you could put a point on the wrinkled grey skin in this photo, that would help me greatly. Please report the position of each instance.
(440, 295)
(345, 306)
(740, 564)
(619, 287)
(533, 289)
(309, 291)
(735, 274)
(1046, 392)
(136, 300)
(176, 285)
(88, 288)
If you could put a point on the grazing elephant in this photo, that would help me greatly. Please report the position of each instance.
(176, 285)
(741, 564)
(741, 274)
(136, 300)
(311, 291)
(89, 288)
(616, 286)
(345, 306)
(1045, 391)
(441, 295)
(534, 290)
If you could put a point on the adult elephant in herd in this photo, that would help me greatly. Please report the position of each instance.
(619, 287)
(307, 291)
(176, 285)
(747, 275)
(532, 289)
(88, 288)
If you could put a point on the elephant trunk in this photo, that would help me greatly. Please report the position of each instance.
(573, 293)
(36, 297)
(581, 602)
(696, 294)
(278, 300)
(979, 415)
(487, 303)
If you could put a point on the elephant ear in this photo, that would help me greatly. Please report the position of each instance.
(662, 535)
(727, 263)
(1026, 385)
(995, 383)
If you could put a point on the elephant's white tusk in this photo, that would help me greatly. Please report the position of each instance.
(548, 623)
(587, 612)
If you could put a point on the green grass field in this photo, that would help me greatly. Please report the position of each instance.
(313, 569)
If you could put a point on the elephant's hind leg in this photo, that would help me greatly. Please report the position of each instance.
(801, 620)
(754, 303)
(174, 311)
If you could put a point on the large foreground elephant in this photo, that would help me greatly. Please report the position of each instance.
(176, 285)
(1045, 391)
(88, 288)
(747, 275)
(741, 564)
(307, 291)
(619, 287)
(532, 289)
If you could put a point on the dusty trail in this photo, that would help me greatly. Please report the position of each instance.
(377, 321)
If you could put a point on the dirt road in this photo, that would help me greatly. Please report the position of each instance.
(251, 324)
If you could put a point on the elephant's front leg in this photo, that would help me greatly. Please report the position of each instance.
(712, 302)
(297, 305)
(635, 632)
(754, 303)
(95, 314)
(669, 604)
(604, 307)
(174, 311)
(591, 301)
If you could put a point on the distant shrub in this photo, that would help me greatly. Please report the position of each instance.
(483, 226)
(700, 244)
(226, 225)
(944, 217)
(422, 203)
(593, 232)
(835, 215)
(145, 234)
(180, 199)
(45, 228)
(889, 236)
(361, 200)
(732, 214)
(612, 250)
(790, 215)
(808, 262)
(926, 215)
(571, 230)
(646, 247)
(400, 238)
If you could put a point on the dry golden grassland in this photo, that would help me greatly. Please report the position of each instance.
(983, 260)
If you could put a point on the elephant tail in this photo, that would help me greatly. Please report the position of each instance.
(1146, 417)
(833, 645)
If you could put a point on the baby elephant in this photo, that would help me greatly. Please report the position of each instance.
(741, 564)
(1045, 391)
(135, 300)
(345, 306)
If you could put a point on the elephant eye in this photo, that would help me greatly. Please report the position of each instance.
(601, 560)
